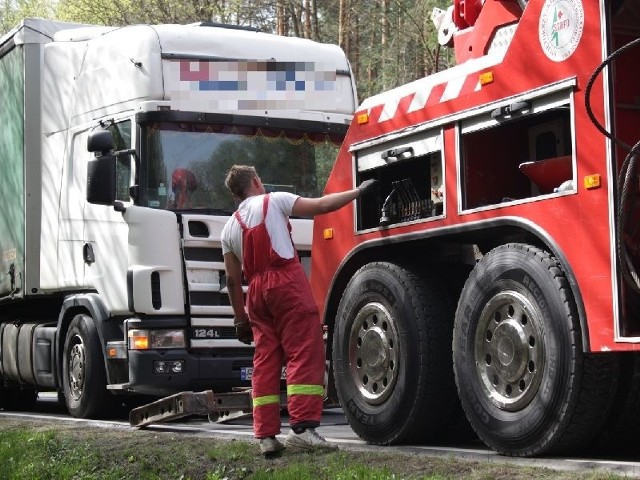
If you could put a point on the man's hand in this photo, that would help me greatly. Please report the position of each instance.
(367, 186)
(243, 331)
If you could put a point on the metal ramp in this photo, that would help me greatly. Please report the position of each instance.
(218, 406)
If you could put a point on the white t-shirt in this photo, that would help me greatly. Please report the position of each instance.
(280, 206)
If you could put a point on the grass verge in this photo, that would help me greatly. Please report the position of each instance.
(38, 450)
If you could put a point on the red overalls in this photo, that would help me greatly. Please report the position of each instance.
(286, 330)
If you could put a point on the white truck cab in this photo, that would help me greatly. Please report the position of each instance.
(119, 143)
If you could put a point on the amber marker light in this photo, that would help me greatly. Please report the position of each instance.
(592, 181)
(138, 339)
(363, 118)
(111, 352)
(140, 343)
(486, 78)
(327, 233)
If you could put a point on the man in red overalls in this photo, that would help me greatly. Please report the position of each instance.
(281, 316)
(183, 184)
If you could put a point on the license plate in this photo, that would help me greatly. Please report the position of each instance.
(246, 373)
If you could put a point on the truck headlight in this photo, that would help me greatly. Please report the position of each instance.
(142, 339)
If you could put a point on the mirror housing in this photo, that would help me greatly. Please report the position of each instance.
(101, 170)
(101, 180)
(100, 141)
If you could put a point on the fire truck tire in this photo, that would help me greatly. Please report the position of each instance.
(622, 429)
(84, 377)
(522, 377)
(392, 355)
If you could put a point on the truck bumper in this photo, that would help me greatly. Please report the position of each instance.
(199, 372)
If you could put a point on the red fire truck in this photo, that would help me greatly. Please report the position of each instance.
(493, 274)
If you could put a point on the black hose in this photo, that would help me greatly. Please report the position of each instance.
(626, 176)
(625, 179)
(590, 83)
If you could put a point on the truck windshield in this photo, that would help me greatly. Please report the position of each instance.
(184, 164)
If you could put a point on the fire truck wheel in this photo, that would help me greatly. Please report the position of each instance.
(392, 354)
(84, 377)
(522, 377)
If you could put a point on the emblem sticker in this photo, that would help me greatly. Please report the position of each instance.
(560, 28)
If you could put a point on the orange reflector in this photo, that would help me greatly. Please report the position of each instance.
(327, 233)
(486, 77)
(592, 181)
(363, 118)
(111, 352)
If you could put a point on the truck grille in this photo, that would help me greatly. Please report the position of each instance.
(208, 300)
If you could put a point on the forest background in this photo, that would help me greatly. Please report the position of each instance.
(388, 42)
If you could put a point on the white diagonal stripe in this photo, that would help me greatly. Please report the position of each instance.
(420, 99)
(389, 109)
(452, 90)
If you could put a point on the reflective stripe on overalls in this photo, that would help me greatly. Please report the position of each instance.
(286, 330)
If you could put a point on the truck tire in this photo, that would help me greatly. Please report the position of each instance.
(392, 355)
(84, 377)
(523, 380)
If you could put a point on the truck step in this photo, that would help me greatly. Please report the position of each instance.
(190, 403)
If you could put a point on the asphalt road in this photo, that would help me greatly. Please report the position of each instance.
(335, 428)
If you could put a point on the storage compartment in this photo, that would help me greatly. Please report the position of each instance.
(409, 175)
(517, 152)
(626, 118)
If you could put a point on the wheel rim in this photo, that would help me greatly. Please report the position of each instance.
(509, 350)
(373, 342)
(76, 362)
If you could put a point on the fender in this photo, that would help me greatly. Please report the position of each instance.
(91, 304)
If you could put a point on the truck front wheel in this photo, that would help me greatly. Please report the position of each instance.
(84, 377)
(392, 355)
(523, 379)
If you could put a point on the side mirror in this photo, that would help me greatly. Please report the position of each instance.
(101, 170)
(101, 180)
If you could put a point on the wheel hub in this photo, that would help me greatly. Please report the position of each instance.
(76, 369)
(373, 341)
(375, 352)
(508, 347)
(509, 350)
